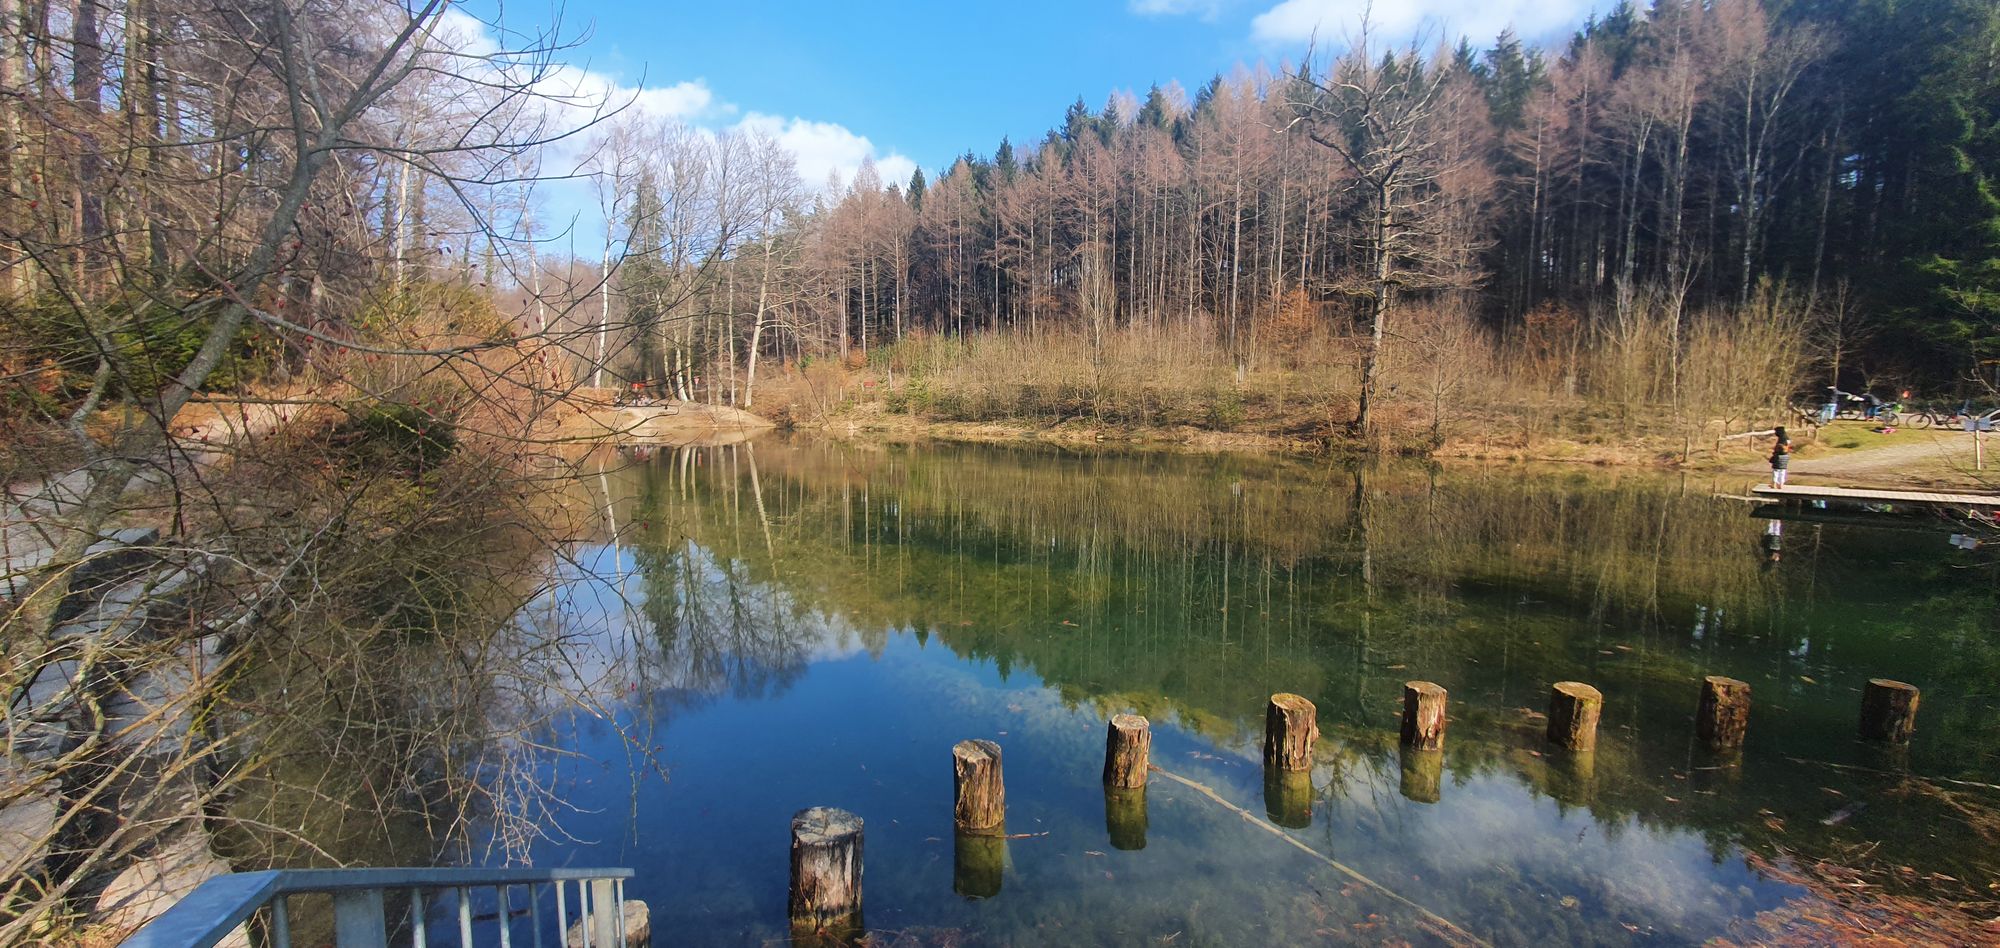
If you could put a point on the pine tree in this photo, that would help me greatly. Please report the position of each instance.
(1154, 114)
(642, 279)
(915, 194)
(1508, 76)
(1003, 160)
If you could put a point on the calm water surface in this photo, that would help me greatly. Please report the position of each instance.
(786, 624)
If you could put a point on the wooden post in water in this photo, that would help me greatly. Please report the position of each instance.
(978, 864)
(1125, 817)
(1888, 711)
(1128, 751)
(826, 872)
(1573, 711)
(1423, 715)
(981, 796)
(1572, 777)
(1291, 728)
(1423, 774)
(1288, 797)
(1724, 715)
(1128, 748)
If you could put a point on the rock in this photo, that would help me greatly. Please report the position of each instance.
(51, 721)
(27, 824)
(107, 562)
(153, 883)
(153, 710)
(638, 927)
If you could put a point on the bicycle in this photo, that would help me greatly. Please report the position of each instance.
(1861, 408)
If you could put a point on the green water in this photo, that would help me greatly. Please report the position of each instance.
(790, 623)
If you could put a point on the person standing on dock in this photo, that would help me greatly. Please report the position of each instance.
(1781, 457)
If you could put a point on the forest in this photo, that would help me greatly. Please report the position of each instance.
(1827, 169)
(1691, 203)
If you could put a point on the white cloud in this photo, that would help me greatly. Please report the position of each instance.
(569, 97)
(824, 149)
(1334, 22)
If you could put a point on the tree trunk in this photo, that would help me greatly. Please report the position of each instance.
(1573, 711)
(1128, 744)
(826, 871)
(1291, 728)
(981, 797)
(1888, 711)
(1378, 315)
(1423, 715)
(1724, 715)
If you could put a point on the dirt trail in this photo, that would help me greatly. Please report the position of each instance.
(1934, 458)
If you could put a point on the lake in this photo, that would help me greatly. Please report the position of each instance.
(760, 628)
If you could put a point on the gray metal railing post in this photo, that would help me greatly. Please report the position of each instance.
(358, 920)
(535, 913)
(464, 917)
(500, 893)
(281, 924)
(562, 916)
(419, 936)
(618, 906)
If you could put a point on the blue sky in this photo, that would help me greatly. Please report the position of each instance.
(913, 82)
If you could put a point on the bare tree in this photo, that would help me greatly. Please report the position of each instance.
(1385, 120)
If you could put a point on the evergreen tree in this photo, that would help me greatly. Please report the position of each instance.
(915, 194)
(1003, 160)
(642, 280)
(1508, 75)
(1153, 114)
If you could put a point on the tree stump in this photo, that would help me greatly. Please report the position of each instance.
(1573, 710)
(1291, 728)
(978, 861)
(1288, 797)
(1125, 817)
(1128, 747)
(826, 871)
(1423, 715)
(981, 796)
(1724, 715)
(1423, 774)
(638, 929)
(1888, 711)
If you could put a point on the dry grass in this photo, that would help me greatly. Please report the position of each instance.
(1631, 384)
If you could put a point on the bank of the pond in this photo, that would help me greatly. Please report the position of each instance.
(1845, 453)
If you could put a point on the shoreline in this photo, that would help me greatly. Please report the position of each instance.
(1842, 454)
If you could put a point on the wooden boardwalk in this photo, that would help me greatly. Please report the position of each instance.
(1800, 493)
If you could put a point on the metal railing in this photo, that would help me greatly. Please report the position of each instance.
(214, 910)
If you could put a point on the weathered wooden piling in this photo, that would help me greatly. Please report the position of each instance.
(1125, 817)
(981, 795)
(978, 863)
(1288, 797)
(826, 871)
(1291, 728)
(1573, 711)
(1423, 774)
(1572, 777)
(1423, 715)
(1888, 711)
(1128, 749)
(1724, 715)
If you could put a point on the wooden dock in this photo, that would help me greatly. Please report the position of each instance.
(1853, 497)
